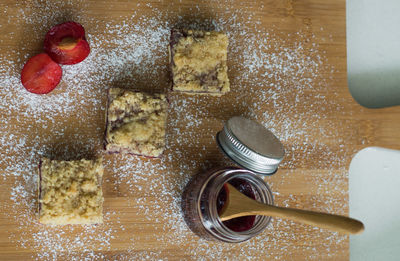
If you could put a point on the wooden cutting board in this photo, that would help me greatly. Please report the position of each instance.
(287, 63)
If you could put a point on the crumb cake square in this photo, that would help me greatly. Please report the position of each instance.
(198, 62)
(70, 192)
(136, 122)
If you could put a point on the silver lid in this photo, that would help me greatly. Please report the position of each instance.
(251, 145)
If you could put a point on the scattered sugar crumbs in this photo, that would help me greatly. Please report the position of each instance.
(284, 82)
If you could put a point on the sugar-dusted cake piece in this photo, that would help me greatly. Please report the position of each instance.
(70, 192)
(198, 62)
(136, 122)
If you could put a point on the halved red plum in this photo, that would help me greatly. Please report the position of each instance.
(41, 74)
(66, 43)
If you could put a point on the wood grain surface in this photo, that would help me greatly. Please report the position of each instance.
(309, 108)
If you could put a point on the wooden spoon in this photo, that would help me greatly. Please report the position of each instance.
(238, 205)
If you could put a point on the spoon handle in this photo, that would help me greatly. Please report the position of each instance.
(329, 221)
(240, 205)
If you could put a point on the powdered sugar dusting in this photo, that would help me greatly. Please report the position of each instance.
(277, 77)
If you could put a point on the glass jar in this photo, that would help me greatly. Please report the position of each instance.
(256, 150)
(199, 204)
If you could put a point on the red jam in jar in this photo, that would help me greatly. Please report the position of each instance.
(239, 224)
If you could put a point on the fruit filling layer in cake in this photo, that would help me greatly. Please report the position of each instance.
(136, 122)
(198, 62)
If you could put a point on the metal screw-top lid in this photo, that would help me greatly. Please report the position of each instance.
(251, 145)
